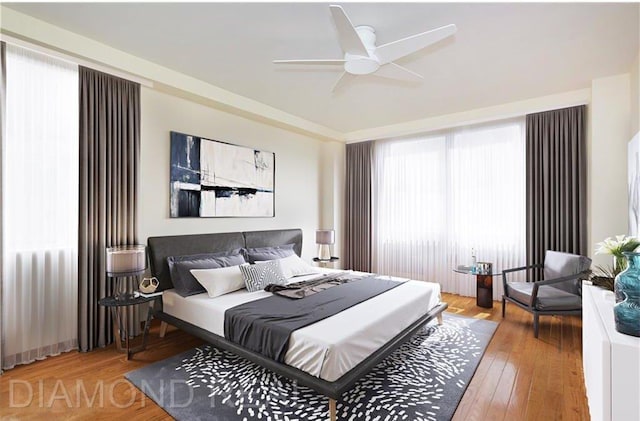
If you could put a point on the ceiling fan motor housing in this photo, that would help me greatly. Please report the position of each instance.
(363, 65)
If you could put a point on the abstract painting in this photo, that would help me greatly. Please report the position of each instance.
(634, 186)
(210, 178)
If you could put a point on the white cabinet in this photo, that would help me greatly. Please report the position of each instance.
(611, 360)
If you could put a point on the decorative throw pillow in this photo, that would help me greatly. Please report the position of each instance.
(294, 266)
(253, 255)
(257, 277)
(180, 269)
(219, 281)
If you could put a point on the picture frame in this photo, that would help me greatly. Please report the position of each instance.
(214, 179)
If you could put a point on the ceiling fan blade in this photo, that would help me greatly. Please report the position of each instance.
(348, 37)
(310, 61)
(342, 79)
(394, 50)
(397, 72)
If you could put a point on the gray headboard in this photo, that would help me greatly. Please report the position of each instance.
(180, 245)
(274, 238)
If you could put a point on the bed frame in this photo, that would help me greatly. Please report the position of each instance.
(162, 247)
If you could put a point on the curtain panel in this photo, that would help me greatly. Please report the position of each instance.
(556, 162)
(39, 207)
(359, 161)
(109, 167)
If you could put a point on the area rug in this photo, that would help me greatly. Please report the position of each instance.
(423, 380)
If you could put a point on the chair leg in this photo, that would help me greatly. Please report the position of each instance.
(536, 323)
(503, 306)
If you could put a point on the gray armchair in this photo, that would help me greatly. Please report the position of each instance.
(559, 293)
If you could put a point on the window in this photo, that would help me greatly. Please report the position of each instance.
(438, 196)
(40, 207)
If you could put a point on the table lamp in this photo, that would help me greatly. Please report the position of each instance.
(324, 239)
(123, 261)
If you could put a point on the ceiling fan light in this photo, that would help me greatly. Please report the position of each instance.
(361, 65)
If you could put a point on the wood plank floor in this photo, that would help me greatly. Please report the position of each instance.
(519, 377)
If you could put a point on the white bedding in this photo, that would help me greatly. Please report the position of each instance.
(330, 347)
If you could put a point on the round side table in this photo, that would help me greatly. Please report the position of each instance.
(121, 323)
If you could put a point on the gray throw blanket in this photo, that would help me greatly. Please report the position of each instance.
(265, 325)
(297, 290)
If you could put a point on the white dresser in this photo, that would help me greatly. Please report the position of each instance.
(611, 360)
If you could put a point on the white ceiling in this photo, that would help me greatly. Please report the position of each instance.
(501, 52)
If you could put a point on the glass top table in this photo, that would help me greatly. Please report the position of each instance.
(468, 271)
(484, 284)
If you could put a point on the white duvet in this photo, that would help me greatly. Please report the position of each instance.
(333, 346)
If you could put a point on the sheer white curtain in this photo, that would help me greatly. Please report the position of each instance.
(409, 212)
(438, 196)
(40, 208)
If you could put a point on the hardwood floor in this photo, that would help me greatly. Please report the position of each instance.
(519, 377)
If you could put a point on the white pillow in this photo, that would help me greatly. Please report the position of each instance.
(294, 266)
(219, 281)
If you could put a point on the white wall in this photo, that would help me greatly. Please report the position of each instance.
(610, 113)
(332, 167)
(298, 169)
(635, 96)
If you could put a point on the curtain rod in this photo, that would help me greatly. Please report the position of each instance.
(75, 60)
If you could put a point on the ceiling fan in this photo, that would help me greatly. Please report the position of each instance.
(363, 57)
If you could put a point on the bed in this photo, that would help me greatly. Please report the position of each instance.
(330, 355)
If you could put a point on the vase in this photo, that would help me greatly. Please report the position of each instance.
(620, 263)
(627, 291)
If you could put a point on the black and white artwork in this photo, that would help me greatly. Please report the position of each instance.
(217, 179)
(634, 186)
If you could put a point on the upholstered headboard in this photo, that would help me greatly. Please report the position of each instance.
(180, 245)
(274, 238)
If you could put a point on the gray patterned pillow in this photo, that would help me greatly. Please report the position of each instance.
(257, 277)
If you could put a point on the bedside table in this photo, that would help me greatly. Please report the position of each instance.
(121, 323)
(324, 262)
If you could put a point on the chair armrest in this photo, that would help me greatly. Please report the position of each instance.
(505, 271)
(538, 265)
(538, 284)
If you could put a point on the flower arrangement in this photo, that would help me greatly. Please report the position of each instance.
(614, 246)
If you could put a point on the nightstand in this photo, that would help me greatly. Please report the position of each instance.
(324, 262)
(121, 323)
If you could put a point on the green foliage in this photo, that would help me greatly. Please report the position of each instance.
(603, 276)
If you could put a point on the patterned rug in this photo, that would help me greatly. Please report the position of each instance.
(423, 380)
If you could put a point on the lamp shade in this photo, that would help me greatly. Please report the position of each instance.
(126, 259)
(325, 236)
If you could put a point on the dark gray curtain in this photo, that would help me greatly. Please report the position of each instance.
(357, 252)
(3, 105)
(556, 182)
(109, 160)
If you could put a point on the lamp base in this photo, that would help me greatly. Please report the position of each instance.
(324, 252)
(124, 296)
(122, 292)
